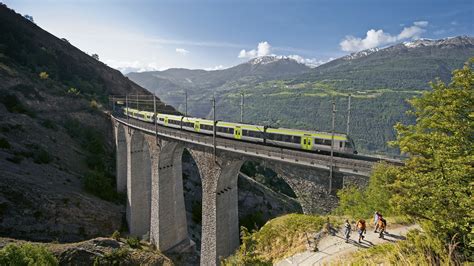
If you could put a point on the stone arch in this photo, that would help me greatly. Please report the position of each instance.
(269, 197)
(121, 158)
(169, 226)
(139, 186)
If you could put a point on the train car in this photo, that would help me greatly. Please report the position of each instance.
(281, 137)
(140, 115)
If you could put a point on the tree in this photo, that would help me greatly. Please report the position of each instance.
(436, 183)
(43, 75)
(95, 56)
(28, 17)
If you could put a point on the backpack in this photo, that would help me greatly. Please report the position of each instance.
(361, 224)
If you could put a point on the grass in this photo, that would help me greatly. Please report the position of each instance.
(277, 239)
(418, 249)
(26, 254)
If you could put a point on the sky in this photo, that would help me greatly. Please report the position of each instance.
(145, 35)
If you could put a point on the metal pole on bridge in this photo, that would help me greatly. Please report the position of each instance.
(332, 146)
(214, 127)
(242, 95)
(126, 105)
(186, 103)
(137, 101)
(348, 114)
(154, 111)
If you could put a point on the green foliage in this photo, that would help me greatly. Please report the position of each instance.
(133, 242)
(26, 254)
(41, 156)
(4, 144)
(13, 105)
(253, 221)
(115, 257)
(116, 235)
(436, 183)
(278, 238)
(246, 255)
(99, 181)
(43, 75)
(362, 203)
(98, 184)
(73, 91)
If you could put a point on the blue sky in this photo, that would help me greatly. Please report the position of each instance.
(212, 34)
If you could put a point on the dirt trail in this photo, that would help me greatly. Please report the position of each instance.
(333, 248)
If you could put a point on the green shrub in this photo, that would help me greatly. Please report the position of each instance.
(73, 91)
(41, 156)
(98, 184)
(116, 235)
(43, 75)
(115, 257)
(362, 203)
(26, 254)
(4, 144)
(133, 242)
(49, 124)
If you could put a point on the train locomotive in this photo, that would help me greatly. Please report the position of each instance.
(291, 138)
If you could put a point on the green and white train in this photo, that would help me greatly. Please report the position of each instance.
(282, 137)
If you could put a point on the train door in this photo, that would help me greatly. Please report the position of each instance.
(237, 132)
(197, 126)
(307, 142)
(166, 121)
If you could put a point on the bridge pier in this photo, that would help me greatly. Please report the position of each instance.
(220, 216)
(138, 186)
(169, 230)
(121, 158)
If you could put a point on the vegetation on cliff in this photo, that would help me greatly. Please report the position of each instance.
(277, 239)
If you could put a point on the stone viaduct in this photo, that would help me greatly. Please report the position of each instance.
(149, 171)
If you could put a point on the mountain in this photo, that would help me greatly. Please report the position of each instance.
(379, 80)
(408, 65)
(56, 143)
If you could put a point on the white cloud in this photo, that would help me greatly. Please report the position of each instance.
(263, 49)
(421, 23)
(375, 38)
(311, 62)
(182, 51)
(133, 66)
(219, 67)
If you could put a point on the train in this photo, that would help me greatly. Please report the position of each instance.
(281, 137)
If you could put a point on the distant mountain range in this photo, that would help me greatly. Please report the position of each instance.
(408, 65)
(283, 92)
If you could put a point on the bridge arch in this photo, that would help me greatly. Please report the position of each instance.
(121, 158)
(139, 186)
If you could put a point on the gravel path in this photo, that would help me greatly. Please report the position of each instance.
(333, 248)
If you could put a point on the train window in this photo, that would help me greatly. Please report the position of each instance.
(286, 138)
(245, 132)
(340, 144)
(296, 139)
(162, 119)
(220, 129)
(231, 130)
